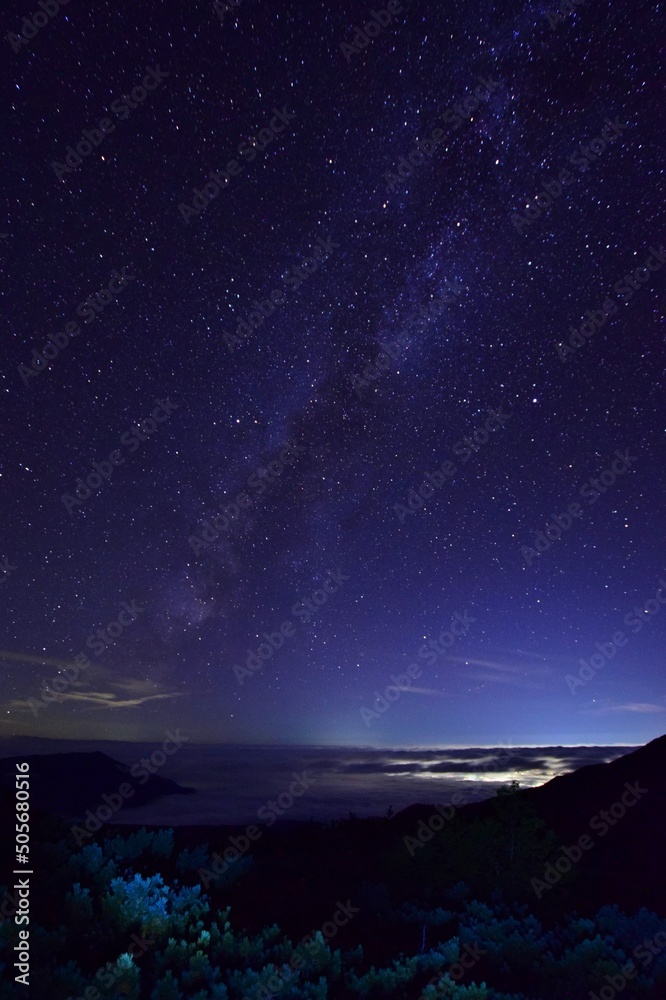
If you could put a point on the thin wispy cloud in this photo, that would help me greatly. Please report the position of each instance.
(642, 707)
(511, 680)
(506, 667)
(97, 688)
(9, 656)
(432, 691)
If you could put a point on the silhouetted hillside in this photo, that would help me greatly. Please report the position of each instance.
(415, 891)
(69, 784)
(625, 863)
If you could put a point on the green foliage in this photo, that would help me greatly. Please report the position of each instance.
(91, 863)
(78, 905)
(193, 954)
(403, 972)
(155, 844)
(127, 977)
(507, 791)
(139, 900)
(166, 988)
(191, 861)
(226, 878)
(446, 989)
(490, 854)
(409, 913)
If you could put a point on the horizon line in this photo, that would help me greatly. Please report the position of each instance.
(332, 746)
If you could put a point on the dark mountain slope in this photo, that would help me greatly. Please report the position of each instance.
(70, 784)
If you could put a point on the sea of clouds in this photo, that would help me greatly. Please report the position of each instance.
(233, 782)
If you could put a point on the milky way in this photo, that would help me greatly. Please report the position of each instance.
(289, 302)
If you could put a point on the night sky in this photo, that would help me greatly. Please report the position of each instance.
(192, 402)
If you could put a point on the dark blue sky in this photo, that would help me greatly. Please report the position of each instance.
(233, 328)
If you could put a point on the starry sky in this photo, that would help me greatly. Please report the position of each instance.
(253, 465)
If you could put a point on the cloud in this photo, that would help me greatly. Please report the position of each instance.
(108, 700)
(96, 688)
(9, 656)
(509, 673)
(412, 690)
(564, 658)
(632, 706)
(94, 699)
(512, 679)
